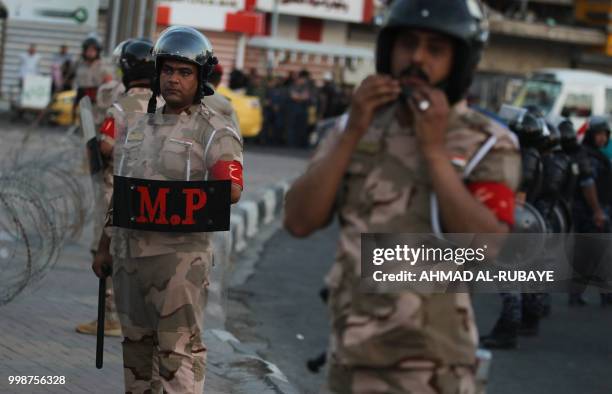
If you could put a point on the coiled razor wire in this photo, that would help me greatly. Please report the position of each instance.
(44, 201)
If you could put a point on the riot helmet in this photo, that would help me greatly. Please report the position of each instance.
(552, 137)
(530, 129)
(137, 62)
(118, 51)
(596, 124)
(91, 40)
(569, 140)
(462, 20)
(184, 44)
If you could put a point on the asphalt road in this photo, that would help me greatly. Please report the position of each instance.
(573, 353)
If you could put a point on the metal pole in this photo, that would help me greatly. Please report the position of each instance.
(129, 17)
(141, 18)
(112, 40)
(274, 34)
(275, 18)
(152, 27)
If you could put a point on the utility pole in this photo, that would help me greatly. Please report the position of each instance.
(274, 34)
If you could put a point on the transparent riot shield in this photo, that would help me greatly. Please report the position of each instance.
(97, 168)
(160, 181)
(162, 186)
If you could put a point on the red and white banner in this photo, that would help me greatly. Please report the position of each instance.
(214, 15)
(340, 10)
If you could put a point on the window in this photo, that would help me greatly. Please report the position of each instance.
(578, 105)
(608, 107)
(540, 94)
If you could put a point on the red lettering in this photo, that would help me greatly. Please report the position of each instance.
(191, 205)
(147, 207)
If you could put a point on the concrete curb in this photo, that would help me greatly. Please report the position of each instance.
(250, 215)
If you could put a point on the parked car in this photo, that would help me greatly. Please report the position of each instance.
(248, 110)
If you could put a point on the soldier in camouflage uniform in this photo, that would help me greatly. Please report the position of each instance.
(378, 175)
(217, 102)
(160, 278)
(138, 69)
(90, 72)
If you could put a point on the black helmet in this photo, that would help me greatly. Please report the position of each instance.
(91, 41)
(118, 52)
(552, 137)
(137, 62)
(185, 44)
(462, 20)
(596, 124)
(530, 129)
(569, 140)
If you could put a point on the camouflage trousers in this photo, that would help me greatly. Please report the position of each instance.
(416, 377)
(160, 302)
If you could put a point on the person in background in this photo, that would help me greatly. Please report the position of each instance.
(591, 211)
(297, 115)
(90, 72)
(218, 102)
(273, 115)
(62, 62)
(29, 63)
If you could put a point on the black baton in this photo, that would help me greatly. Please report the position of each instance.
(101, 316)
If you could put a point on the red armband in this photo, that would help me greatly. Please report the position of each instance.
(228, 170)
(498, 197)
(108, 127)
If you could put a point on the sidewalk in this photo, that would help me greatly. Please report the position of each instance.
(37, 329)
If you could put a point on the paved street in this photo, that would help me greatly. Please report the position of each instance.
(275, 311)
(37, 328)
(572, 355)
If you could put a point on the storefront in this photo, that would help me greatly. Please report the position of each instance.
(48, 24)
(227, 24)
(315, 36)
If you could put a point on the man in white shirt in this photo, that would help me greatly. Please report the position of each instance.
(29, 63)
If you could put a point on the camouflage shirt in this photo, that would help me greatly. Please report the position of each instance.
(213, 139)
(387, 189)
(108, 93)
(223, 107)
(90, 75)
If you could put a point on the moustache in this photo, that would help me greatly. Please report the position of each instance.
(414, 71)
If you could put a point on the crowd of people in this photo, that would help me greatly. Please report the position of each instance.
(292, 105)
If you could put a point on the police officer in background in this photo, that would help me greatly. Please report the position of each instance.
(522, 310)
(137, 70)
(591, 211)
(378, 173)
(218, 102)
(109, 92)
(159, 278)
(90, 72)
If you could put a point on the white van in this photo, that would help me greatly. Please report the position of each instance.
(576, 94)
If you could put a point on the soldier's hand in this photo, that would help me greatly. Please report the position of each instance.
(102, 264)
(431, 110)
(374, 92)
(106, 149)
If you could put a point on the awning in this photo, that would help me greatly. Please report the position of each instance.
(295, 48)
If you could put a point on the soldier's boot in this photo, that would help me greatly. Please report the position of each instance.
(577, 299)
(530, 325)
(503, 336)
(112, 328)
